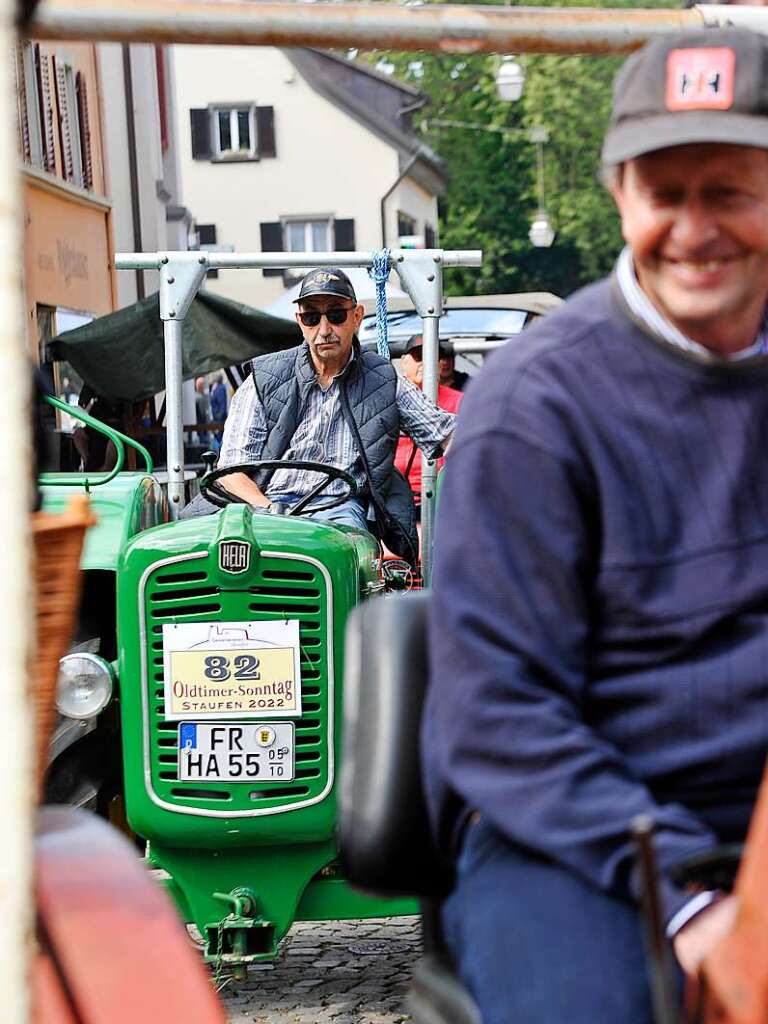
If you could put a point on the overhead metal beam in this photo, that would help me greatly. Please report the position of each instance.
(447, 28)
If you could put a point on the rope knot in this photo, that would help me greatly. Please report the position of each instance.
(379, 272)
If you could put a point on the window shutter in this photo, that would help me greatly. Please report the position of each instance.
(265, 131)
(206, 235)
(42, 67)
(344, 235)
(25, 144)
(200, 123)
(81, 91)
(65, 127)
(430, 237)
(271, 241)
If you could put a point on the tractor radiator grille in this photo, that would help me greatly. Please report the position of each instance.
(296, 590)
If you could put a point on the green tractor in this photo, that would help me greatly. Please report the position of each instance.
(205, 686)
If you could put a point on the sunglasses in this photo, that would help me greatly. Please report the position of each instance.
(335, 316)
(417, 354)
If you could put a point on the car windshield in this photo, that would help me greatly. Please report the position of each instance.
(454, 322)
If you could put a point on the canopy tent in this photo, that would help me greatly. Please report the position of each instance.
(121, 357)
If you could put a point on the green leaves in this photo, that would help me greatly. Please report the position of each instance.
(492, 193)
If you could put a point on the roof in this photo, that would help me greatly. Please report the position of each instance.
(530, 302)
(379, 102)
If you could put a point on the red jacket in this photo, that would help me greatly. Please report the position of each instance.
(448, 399)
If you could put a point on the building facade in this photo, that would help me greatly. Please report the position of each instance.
(67, 211)
(298, 150)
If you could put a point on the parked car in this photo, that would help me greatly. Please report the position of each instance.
(470, 325)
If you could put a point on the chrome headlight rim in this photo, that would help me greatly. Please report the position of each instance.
(104, 676)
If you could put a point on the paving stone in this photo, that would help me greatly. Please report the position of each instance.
(318, 980)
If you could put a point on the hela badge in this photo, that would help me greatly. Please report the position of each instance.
(234, 556)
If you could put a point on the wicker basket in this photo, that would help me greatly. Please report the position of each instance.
(58, 543)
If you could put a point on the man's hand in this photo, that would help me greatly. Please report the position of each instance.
(241, 485)
(700, 935)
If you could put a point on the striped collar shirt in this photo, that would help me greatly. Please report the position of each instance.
(644, 309)
(323, 435)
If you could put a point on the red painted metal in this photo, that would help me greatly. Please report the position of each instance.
(733, 985)
(112, 944)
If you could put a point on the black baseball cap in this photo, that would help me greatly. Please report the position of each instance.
(417, 341)
(326, 281)
(707, 85)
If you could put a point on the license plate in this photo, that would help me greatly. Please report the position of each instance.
(236, 752)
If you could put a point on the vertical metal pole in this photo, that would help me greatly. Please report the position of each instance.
(661, 973)
(430, 334)
(174, 415)
(16, 599)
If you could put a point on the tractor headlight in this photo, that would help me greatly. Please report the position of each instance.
(84, 686)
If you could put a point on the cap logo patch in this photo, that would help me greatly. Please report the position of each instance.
(323, 277)
(700, 79)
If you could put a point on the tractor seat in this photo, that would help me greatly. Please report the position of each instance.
(384, 839)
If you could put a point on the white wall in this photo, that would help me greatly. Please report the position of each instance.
(412, 199)
(327, 163)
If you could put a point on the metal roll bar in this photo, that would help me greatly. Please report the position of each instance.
(446, 28)
(181, 274)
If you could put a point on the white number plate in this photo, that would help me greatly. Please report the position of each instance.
(236, 752)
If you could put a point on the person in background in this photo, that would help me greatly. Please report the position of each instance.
(202, 410)
(329, 401)
(407, 457)
(218, 397)
(450, 377)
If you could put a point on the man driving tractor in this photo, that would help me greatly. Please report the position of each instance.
(600, 649)
(330, 402)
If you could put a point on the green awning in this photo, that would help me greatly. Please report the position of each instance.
(121, 356)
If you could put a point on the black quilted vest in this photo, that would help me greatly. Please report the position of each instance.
(368, 400)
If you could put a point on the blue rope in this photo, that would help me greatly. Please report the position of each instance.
(379, 272)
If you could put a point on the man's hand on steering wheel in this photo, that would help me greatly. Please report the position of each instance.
(221, 497)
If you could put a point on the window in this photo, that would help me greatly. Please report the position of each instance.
(232, 131)
(307, 236)
(28, 106)
(405, 225)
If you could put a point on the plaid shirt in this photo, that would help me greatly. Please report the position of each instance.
(323, 435)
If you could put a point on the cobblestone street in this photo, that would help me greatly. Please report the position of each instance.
(347, 972)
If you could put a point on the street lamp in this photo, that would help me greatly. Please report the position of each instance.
(542, 234)
(510, 79)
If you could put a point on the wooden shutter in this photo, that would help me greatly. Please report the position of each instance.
(271, 241)
(81, 91)
(42, 67)
(265, 132)
(344, 235)
(206, 235)
(25, 145)
(65, 123)
(200, 123)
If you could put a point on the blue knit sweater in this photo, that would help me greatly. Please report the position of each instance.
(599, 640)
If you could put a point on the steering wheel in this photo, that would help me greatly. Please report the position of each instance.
(217, 495)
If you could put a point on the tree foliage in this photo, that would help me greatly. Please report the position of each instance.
(491, 197)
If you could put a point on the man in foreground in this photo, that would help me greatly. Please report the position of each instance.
(327, 401)
(601, 583)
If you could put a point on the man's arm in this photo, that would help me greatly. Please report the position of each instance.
(245, 432)
(242, 486)
(430, 427)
